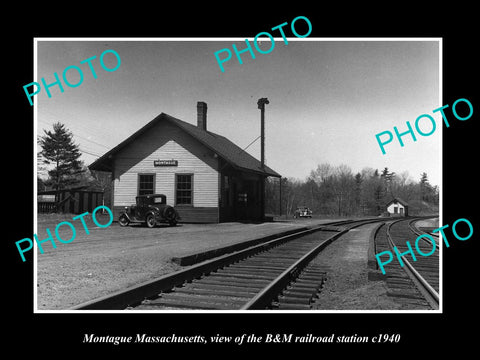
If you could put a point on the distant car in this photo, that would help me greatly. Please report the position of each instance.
(302, 212)
(151, 210)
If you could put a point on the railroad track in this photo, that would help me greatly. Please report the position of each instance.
(419, 231)
(273, 275)
(416, 284)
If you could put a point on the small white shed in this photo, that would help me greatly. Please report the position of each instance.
(397, 207)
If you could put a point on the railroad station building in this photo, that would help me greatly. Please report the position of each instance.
(204, 175)
(397, 207)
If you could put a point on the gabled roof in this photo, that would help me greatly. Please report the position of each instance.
(404, 203)
(223, 147)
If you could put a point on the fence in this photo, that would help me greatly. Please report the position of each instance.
(71, 201)
(46, 206)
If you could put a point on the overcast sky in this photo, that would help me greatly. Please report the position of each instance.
(328, 99)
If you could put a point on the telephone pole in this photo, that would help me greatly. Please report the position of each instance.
(261, 105)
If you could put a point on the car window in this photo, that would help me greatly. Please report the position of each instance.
(159, 200)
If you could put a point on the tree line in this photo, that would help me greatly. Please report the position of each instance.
(338, 191)
(328, 190)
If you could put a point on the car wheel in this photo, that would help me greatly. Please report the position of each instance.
(150, 220)
(169, 214)
(123, 220)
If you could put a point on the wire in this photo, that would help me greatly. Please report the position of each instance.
(76, 134)
(87, 152)
(252, 142)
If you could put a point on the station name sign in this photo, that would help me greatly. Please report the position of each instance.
(165, 162)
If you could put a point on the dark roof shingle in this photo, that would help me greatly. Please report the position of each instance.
(226, 149)
(403, 202)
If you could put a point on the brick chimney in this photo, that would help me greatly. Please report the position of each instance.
(202, 115)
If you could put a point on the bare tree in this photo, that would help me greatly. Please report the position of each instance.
(336, 190)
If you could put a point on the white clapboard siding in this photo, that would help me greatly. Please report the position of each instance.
(166, 141)
(391, 208)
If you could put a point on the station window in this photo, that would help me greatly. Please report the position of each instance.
(146, 184)
(184, 189)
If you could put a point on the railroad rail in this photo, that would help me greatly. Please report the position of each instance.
(419, 231)
(424, 274)
(273, 275)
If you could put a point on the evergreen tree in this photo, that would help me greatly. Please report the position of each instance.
(426, 190)
(388, 178)
(59, 150)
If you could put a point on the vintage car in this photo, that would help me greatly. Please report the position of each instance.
(151, 210)
(302, 212)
